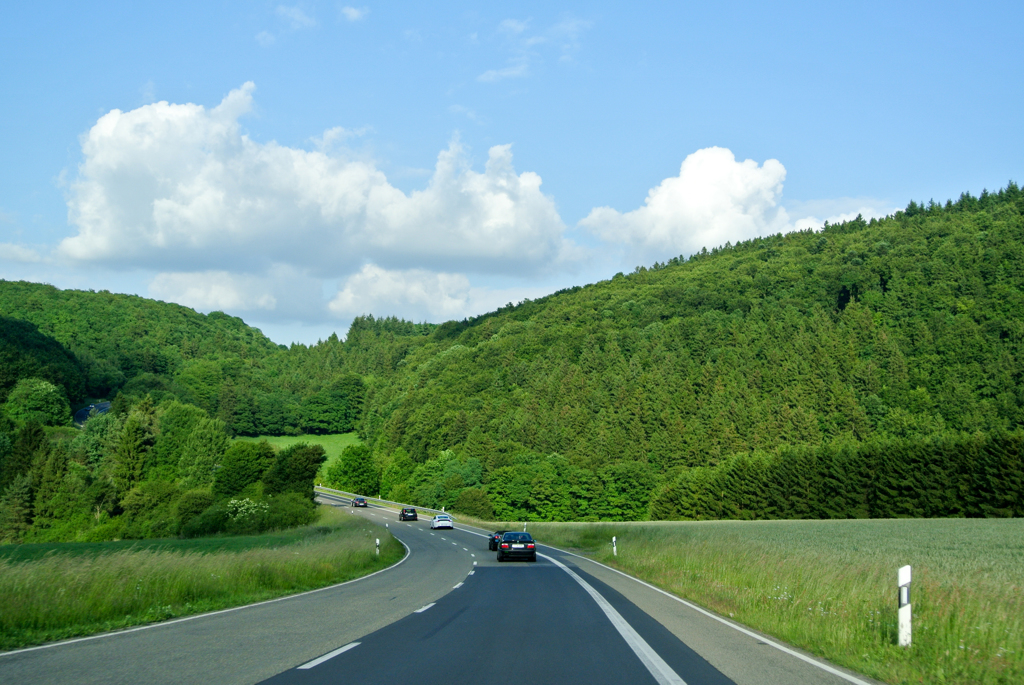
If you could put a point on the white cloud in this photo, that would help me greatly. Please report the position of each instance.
(418, 294)
(182, 188)
(213, 290)
(353, 13)
(265, 39)
(713, 200)
(295, 17)
(10, 252)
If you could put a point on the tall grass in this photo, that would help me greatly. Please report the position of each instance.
(60, 596)
(830, 586)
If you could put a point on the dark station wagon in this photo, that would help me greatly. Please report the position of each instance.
(407, 514)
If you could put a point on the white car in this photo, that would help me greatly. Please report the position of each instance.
(441, 521)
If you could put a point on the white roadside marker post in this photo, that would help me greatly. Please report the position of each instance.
(378, 546)
(524, 526)
(615, 550)
(904, 606)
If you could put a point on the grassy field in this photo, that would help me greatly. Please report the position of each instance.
(830, 586)
(332, 444)
(52, 592)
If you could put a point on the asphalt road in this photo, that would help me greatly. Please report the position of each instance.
(449, 613)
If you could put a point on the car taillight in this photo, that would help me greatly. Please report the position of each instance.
(529, 545)
(504, 545)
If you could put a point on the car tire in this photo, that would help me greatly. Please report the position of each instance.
(500, 557)
(533, 558)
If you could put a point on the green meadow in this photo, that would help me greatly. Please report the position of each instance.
(333, 444)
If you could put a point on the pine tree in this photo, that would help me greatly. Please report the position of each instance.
(202, 453)
(16, 509)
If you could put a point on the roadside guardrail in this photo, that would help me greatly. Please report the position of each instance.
(381, 502)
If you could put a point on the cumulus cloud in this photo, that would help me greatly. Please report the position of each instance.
(714, 199)
(212, 290)
(418, 294)
(182, 188)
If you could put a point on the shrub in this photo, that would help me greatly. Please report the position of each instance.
(192, 504)
(289, 510)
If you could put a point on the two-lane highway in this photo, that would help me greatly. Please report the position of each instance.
(448, 613)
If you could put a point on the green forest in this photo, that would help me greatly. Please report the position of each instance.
(868, 369)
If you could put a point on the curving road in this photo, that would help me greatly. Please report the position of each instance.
(448, 613)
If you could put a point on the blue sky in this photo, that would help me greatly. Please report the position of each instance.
(300, 164)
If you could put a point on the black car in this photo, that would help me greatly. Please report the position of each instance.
(492, 543)
(359, 502)
(407, 514)
(517, 546)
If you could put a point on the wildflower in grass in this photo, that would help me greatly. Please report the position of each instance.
(243, 510)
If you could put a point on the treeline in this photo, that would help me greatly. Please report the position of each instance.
(898, 329)
(100, 345)
(943, 475)
(151, 471)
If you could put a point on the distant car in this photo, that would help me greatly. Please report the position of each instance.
(492, 543)
(408, 514)
(359, 502)
(517, 546)
(441, 521)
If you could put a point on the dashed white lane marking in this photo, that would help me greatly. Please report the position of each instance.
(329, 655)
(457, 586)
(464, 549)
(472, 572)
(444, 538)
(661, 671)
(431, 533)
(422, 609)
(472, 555)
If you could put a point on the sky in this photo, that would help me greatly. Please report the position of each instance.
(298, 165)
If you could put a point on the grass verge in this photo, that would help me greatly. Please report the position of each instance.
(830, 586)
(62, 595)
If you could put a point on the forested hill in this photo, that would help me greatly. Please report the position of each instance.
(905, 331)
(100, 345)
(117, 337)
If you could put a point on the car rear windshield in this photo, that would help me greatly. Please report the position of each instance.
(517, 537)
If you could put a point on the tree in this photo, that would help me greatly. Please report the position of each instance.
(132, 452)
(202, 453)
(294, 470)
(243, 464)
(16, 509)
(176, 423)
(35, 398)
(29, 441)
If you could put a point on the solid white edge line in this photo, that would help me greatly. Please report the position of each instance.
(161, 624)
(422, 609)
(328, 655)
(757, 636)
(661, 671)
